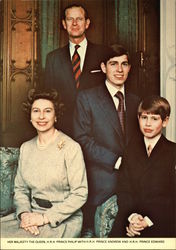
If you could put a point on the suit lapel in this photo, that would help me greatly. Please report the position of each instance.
(128, 116)
(142, 161)
(88, 57)
(67, 69)
(159, 149)
(108, 107)
(88, 66)
(148, 163)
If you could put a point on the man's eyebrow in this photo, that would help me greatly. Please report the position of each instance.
(126, 61)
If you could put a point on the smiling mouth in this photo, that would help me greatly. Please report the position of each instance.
(42, 123)
(119, 76)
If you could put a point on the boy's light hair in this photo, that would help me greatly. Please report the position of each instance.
(155, 105)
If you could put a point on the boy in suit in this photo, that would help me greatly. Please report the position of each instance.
(75, 66)
(103, 125)
(146, 179)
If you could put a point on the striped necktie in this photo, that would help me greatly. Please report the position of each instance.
(76, 66)
(149, 150)
(121, 111)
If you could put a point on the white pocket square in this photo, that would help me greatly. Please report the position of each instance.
(95, 71)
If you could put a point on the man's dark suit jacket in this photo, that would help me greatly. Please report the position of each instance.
(59, 75)
(147, 186)
(97, 129)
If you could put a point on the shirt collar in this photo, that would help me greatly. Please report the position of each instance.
(152, 141)
(113, 90)
(82, 44)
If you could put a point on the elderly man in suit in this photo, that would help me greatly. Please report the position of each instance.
(76, 66)
(105, 119)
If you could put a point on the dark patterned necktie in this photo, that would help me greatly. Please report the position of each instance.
(121, 111)
(76, 65)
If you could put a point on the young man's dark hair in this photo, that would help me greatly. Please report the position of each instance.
(117, 50)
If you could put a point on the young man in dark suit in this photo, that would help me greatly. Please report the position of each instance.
(86, 58)
(103, 125)
(146, 179)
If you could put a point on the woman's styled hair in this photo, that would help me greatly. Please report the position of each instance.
(155, 105)
(47, 94)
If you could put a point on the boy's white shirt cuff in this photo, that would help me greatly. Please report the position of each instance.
(148, 221)
(131, 216)
(146, 218)
(118, 163)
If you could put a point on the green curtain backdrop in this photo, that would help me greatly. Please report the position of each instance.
(49, 27)
(127, 23)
